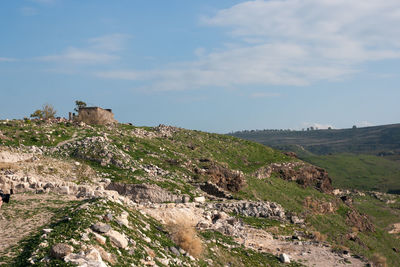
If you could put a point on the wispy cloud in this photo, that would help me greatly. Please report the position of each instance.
(317, 125)
(264, 95)
(111, 42)
(285, 42)
(47, 2)
(364, 124)
(79, 56)
(7, 59)
(99, 50)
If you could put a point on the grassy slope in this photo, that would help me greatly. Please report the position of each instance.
(367, 140)
(365, 172)
(189, 146)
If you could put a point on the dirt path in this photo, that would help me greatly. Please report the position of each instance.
(306, 252)
(24, 214)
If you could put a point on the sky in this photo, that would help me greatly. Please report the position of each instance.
(216, 66)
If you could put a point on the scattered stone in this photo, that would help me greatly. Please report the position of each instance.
(101, 228)
(99, 238)
(201, 199)
(60, 250)
(144, 193)
(47, 230)
(175, 251)
(91, 258)
(185, 199)
(108, 217)
(284, 258)
(123, 219)
(117, 239)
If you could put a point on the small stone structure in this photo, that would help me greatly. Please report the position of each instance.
(95, 115)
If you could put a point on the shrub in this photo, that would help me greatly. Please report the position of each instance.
(46, 112)
(319, 237)
(378, 260)
(185, 236)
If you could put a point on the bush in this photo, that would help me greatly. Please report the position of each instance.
(319, 237)
(378, 260)
(184, 235)
(47, 112)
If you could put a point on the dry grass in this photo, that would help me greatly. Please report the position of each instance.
(319, 207)
(378, 260)
(319, 237)
(185, 236)
(7, 166)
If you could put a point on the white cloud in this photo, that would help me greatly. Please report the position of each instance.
(264, 95)
(101, 49)
(111, 42)
(317, 125)
(286, 42)
(80, 56)
(364, 124)
(47, 2)
(7, 59)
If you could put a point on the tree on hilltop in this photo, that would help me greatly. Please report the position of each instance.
(79, 104)
(47, 112)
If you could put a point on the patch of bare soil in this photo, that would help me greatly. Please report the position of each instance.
(308, 253)
(25, 214)
(395, 228)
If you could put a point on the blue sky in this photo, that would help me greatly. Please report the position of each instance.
(217, 66)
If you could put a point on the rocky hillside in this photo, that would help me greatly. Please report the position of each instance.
(121, 195)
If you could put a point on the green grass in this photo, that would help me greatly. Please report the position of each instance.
(181, 153)
(289, 194)
(364, 172)
(226, 251)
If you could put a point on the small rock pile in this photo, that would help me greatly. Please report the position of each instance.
(165, 130)
(266, 209)
(98, 149)
(304, 174)
(144, 193)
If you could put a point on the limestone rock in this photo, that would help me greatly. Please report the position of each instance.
(60, 250)
(200, 199)
(117, 239)
(91, 258)
(142, 193)
(284, 258)
(101, 228)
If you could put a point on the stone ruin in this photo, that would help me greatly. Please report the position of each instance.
(93, 115)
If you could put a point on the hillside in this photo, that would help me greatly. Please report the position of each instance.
(121, 195)
(377, 140)
(362, 158)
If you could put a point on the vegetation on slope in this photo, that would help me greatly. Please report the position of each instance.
(182, 153)
(364, 172)
(367, 140)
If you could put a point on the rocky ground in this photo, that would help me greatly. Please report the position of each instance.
(39, 192)
(128, 196)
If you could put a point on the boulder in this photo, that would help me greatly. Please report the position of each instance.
(101, 228)
(284, 258)
(143, 193)
(117, 239)
(201, 199)
(60, 250)
(91, 258)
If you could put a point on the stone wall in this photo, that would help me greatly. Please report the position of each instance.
(95, 115)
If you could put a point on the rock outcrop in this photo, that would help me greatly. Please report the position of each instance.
(144, 193)
(304, 174)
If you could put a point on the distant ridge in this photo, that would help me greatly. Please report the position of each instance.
(381, 140)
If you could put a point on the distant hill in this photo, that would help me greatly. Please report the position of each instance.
(377, 140)
(360, 158)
